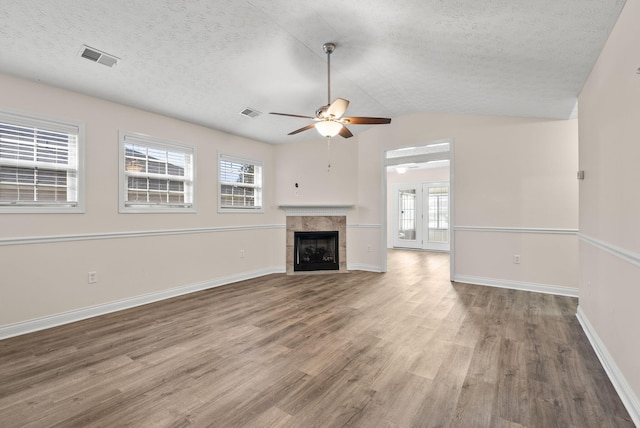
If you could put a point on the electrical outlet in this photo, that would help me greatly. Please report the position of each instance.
(242, 254)
(92, 277)
(516, 259)
(369, 248)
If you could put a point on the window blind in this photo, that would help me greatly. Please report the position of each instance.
(157, 174)
(38, 162)
(240, 183)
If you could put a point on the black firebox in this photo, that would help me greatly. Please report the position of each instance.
(315, 251)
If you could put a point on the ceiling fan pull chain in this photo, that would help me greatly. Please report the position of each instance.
(328, 154)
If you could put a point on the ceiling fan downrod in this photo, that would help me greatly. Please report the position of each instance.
(328, 48)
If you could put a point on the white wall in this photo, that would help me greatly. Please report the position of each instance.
(511, 174)
(42, 279)
(610, 207)
(308, 165)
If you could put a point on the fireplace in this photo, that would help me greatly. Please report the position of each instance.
(316, 250)
(330, 218)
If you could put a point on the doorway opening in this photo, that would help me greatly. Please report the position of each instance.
(419, 198)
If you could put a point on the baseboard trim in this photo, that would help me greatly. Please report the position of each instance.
(364, 267)
(629, 399)
(518, 285)
(50, 321)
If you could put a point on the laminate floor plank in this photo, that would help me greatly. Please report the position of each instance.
(394, 403)
(474, 407)
(402, 349)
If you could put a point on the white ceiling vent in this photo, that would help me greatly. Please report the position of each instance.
(250, 112)
(98, 56)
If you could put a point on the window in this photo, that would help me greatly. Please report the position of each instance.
(40, 164)
(407, 214)
(155, 175)
(240, 184)
(438, 208)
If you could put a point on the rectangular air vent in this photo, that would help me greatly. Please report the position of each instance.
(250, 112)
(100, 57)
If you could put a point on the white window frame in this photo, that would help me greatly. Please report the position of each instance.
(258, 185)
(188, 179)
(74, 168)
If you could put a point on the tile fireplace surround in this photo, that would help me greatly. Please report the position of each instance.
(315, 219)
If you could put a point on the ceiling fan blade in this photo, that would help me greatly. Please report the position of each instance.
(366, 120)
(344, 132)
(338, 107)
(293, 115)
(302, 129)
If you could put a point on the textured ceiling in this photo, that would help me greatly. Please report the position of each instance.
(205, 61)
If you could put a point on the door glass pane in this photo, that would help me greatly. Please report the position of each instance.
(439, 214)
(407, 214)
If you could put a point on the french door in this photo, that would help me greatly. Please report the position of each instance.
(422, 216)
(436, 219)
(408, 203)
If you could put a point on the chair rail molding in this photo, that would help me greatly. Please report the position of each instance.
(535, 230)
(619, 252)
(132, 234)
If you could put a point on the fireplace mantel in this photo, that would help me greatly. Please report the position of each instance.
(316, 210)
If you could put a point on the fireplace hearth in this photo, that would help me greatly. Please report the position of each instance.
(317, 250)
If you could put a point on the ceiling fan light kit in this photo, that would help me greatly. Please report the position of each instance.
(328, 118)
(328, 128)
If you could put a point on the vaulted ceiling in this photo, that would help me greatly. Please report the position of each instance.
(205, 61)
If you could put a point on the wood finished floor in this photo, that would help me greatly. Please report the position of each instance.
(401, 349)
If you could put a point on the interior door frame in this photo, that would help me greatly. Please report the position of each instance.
(383, 239)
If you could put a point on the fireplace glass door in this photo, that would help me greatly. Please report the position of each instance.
(316, 251)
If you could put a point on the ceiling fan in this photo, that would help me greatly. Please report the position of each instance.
(329, 121)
